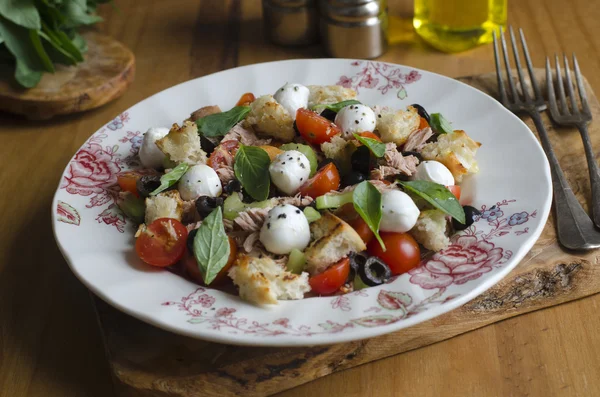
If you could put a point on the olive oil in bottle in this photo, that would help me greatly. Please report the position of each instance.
(457, 25)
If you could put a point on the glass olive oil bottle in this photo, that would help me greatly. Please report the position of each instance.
(457, 25)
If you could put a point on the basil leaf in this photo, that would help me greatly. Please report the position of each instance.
(219, 124)
(39, 48)
(171, 178)
(438, 196)
(26, 77)
(76, 14)
(367, 202)
(439, 124)
(336, 107)
(56, 52)
(376, 147)
(211, 246)
(18, 42)
(21, 12)
(251, 167)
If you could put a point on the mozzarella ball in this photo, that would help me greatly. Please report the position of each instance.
(354, 119)
(433, 171)
(289, 170)
(150, 155)
(398, 212)
(199, 180)
(292, 97)
(285, 228)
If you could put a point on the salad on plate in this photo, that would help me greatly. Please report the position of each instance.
(305, 192)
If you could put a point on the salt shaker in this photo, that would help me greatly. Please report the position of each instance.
(354, 28)
(291, 22)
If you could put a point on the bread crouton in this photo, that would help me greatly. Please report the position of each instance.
(456, 151)
(340, 150)
(322, 94)
(263, 281)
(397, 126)
(430, 230)
(332, 240)
(268, 117)
(182, 144)
(164, 205)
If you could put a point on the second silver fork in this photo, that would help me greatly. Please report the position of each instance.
(575, 230)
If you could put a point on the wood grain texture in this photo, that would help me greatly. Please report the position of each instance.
(545, 277)
(49, 341)
(108, 70)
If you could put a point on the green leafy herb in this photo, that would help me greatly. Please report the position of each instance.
(211, 246)
(251, 167)
(171, 178)
(438, 196)
(219, 124)
(37, 34)
(439, 124)
(376, 147)
(21, 12)
(336, 107)
(367, 202)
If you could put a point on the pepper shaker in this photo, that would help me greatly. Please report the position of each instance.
(291, 22)
(354, 28)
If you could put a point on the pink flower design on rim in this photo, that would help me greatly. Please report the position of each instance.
(466, 259)
(91, 171)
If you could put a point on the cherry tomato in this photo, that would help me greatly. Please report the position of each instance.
(331, 279)
(455, 190)
(191, 265)
(423, 123)
(223, 154)
(324, 181)
(347, 213)
(127, 182)
(402, 251)
(363, 230)
(370, 135)
(162, 243)
(246, 99)
(272, 151)
(314, 128)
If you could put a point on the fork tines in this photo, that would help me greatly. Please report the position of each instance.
(562, 102)
(525, 99)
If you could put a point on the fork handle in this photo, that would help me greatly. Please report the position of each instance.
(574, 228)
(594, 172)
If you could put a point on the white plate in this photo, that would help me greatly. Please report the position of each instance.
(513, 190)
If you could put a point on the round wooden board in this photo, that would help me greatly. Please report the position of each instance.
(107, 71)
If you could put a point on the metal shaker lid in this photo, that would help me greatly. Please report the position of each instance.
(353, 10)
(291, 3)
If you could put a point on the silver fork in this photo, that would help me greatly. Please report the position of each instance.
(575, 117)
(575, 230)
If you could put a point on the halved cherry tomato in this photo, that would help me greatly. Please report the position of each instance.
(223, 154)
(324, 181)
(246, 99)
(363, 230)
(402, 251)
(272, 151)
(127, 182)
(455, 190)
(314, 128)
(423, 123)
(191, 265)
(162, 243)
(331, 279)
(370, 135)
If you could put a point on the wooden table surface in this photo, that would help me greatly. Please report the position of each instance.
(49, 341)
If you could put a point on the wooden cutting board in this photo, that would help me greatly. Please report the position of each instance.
(147, 361)
(106, 72)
